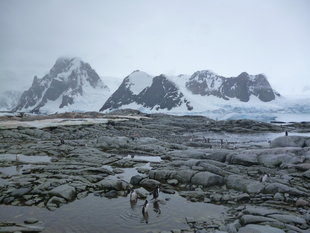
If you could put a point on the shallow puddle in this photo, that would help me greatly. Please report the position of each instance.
(146, 158)
(99, 214)
(25, 158)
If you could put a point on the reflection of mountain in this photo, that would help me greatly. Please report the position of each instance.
(70, 85)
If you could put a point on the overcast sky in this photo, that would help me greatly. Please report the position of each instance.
(158, 36)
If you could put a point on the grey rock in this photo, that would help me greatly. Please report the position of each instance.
(291, 141)
(279, 197)
(262, 211)
(207, 179)
(290, 219)
(65, 191)
(281, 188)
(20, 192)
(248, 219)
(307, 174)
(111, 194)
(173, 182)
(149, 183)
(237, 182)
(246, 158)
(135, 180)
(253, 228)
(115, 184)
(276, 160)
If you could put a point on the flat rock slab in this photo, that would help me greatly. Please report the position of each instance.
(253, 228)
(21, 228)
(291, 141)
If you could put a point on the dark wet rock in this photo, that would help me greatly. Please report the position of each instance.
(31, 221)
(135, 180)
(238, 182)
(253, 228)
(112, 184)
(291, 141)
(65, 191)
(207, 179)
(149, 184)
(111, 194)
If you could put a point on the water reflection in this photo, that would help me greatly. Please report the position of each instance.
(156, 208)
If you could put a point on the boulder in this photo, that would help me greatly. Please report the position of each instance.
(112, 184)
(240, 183)
(276, 160)
(65, 191)
(149, 184)
(291, 141)
(207, 179)
(246, 158)
(135, 180)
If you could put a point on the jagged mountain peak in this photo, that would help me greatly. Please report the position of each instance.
(70, 81)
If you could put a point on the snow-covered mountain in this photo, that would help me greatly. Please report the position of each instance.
(9, 99)
(241, 87)
(71, 85)
(141, 90)
(198, 92)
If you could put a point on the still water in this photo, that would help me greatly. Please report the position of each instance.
(99, 214)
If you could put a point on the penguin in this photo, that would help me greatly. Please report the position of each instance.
(145, 207)
(133, 195)
(286, 133)
(156, 192)
(264, 178)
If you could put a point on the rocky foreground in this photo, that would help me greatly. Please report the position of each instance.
(194, 164)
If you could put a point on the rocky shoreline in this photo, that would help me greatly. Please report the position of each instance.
(198, 161)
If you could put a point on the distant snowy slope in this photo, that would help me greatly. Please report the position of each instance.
(71, 85)
(142, 91)
(9, 100)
